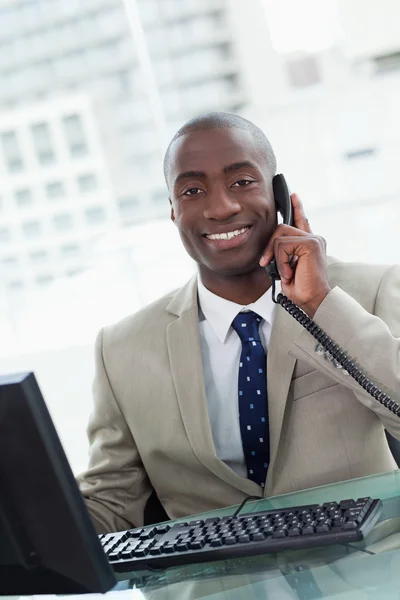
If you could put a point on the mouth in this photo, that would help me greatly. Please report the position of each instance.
(228, 239)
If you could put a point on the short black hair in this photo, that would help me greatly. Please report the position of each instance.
(215, 120)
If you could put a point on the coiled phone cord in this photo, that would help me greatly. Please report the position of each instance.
(335, 351)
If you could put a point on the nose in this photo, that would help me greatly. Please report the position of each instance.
(221, 206)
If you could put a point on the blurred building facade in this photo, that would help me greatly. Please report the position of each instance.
(140, 67)
(91, 90)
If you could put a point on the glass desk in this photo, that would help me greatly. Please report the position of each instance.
(366, 570)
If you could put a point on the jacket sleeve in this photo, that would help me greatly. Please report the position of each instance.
(115, 485)
(372, 341)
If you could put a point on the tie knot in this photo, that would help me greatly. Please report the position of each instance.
(246, 325)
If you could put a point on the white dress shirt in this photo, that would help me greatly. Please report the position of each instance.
(220, 349)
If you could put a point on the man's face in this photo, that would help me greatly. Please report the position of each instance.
(222, 199)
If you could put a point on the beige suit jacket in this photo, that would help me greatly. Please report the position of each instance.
(150, 427)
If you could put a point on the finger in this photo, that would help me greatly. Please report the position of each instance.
(285, 258)
(299, 217)
(280, 231)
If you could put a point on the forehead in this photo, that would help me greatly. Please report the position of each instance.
(212, 149)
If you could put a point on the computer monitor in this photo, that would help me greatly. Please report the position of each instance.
(48, 543)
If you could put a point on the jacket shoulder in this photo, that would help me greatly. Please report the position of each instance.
(362, 281)
(146, 321)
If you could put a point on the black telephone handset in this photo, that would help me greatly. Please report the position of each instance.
(325, 344)
(284, 206)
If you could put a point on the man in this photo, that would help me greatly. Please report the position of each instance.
(186, 404)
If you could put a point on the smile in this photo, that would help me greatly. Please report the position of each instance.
(228, 239)
(227, 235)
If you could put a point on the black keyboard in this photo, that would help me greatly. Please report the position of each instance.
(165, 545)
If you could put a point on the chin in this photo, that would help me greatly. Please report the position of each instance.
(233, 270)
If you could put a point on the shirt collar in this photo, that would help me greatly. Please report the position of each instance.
(220, 312)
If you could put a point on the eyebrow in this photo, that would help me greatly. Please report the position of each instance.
(239, 165)
(228, 169)
(187, 174)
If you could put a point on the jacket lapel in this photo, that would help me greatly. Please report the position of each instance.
(280, 365)
(183, 343)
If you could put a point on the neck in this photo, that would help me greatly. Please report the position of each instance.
(241, 289)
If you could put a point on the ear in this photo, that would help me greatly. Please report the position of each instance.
(172, 211)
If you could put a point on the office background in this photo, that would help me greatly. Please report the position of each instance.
(90, 93)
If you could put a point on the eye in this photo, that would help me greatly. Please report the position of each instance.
(243, 182)
(192, 191)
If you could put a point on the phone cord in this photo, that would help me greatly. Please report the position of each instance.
(335, 352)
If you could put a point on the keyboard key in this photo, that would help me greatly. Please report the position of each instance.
(230, 541)
(216, 542)
(243, 539)
(156, 551)
(163, 528)
(197, 544)
(308, 530)
(169, 548)
(140, 552)
(280, 533)
(185, 540)
(113, 556)
(225, 520)
(182, 546)
(366, 500)
(199, 523)
(294, 531)
(136, 533)
(258, 537)
(267, 530)
(146, 535)
(323, 527)
(200, 538)
(346, 504)
(225, 529)
(330, 505)
(126, 554)
(184, 531)
(349, 526)
(212, 521)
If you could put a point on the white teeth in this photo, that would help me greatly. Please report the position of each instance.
(226, 236)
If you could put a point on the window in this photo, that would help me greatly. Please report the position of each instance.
(55, 190)
(70, 250)
(63, 222)
(74, 272)
(361, 153)
(87, 182)
(43, 143)
(11, 151)
(31, 229)
(303, 72)
(95, 215)
(23, 198)
(15, 286)
(75, 135)
(9, 261)
(38, 256)
(44, 279)
(128, 206)
(4, 235)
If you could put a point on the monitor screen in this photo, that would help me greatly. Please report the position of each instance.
(48, 543)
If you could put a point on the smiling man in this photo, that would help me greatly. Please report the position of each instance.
(213, 393)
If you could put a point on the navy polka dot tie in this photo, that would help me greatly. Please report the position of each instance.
(253, 404)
